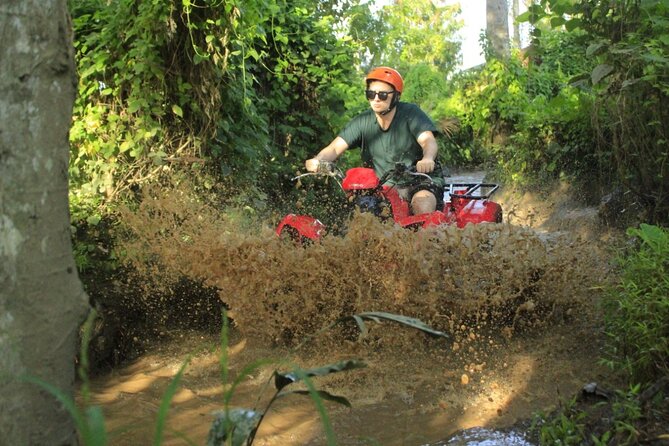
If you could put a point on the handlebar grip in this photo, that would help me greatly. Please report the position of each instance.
(325, 167)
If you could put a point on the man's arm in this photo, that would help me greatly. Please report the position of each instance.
(329, 153)
(430, 148)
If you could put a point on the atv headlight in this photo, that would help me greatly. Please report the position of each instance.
(369, 204)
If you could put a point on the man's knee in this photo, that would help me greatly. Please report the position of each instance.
(423, 202)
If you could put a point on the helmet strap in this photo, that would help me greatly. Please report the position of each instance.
(393, 103)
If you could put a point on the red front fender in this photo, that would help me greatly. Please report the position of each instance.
(303, 225)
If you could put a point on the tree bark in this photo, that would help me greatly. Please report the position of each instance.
(42, 302)
(515, 11)
(497, 27)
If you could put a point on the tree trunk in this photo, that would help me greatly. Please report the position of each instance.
(42, 302)
(515, 11)
(497, 27)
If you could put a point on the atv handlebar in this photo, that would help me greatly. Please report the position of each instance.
(327, 168)
(402, 170)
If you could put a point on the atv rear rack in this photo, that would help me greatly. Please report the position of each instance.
(468, 190)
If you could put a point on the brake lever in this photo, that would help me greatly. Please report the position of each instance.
(324, 168)
(402, 169)
(307, 174)
(419, 174)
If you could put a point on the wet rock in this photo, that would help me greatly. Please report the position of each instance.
(594, 390)
(478, 436)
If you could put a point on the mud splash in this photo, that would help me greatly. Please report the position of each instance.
(517, 306)
(462, 281)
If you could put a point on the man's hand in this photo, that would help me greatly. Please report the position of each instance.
(312, 165)
(425, 166)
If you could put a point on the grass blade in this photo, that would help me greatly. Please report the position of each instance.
(165, 404)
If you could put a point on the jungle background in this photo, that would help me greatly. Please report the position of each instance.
(197, 111)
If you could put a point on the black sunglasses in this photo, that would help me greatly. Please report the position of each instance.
(383, 95)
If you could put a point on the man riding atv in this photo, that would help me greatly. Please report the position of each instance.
(392, 132)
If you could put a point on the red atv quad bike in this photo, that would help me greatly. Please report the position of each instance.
(464, 203)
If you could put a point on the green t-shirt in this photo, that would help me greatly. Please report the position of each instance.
(382, 149)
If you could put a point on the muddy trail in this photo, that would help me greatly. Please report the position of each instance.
(517, 301)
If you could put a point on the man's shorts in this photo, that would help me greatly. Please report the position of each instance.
(407, 192)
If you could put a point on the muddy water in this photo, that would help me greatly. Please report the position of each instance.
(518, 310)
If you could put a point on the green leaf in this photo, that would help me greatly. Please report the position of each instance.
(654, 236)
(557, 22)
(133, 106)
(600, 72)
(96, 425)
(177, 111)
(281, 380)
(404, 320)
(253, 53)
(125, 146)
(571, 25)
(579, 79)
(656, 58)
(361, 325)
(150, 133)
(629, 82)
(536, 9)
(595, 49)
(93, 220)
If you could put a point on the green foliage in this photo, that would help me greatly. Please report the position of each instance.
(247, 87)
(424, 85)
(229, 93)
(419, 32)
(523, 114)
(122, 104)
(628, 43)
(496, 98)
(627, 412)
(637, 310)
(302, 83)
(606, 422)
(565, 428)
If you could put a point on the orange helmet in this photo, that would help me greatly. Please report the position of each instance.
(387, 75)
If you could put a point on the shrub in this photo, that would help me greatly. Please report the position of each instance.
(637, 310)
